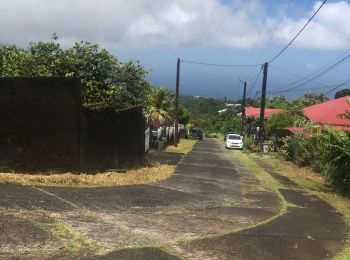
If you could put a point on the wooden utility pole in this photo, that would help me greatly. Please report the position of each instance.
(262, 106)
(177, 103)
(243, 108)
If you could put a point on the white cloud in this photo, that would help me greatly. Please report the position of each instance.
(134, 23)
(329, 29)
(167, 23)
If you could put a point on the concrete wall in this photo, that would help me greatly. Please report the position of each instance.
(39, 122)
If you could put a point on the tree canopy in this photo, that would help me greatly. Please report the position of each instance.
(104, 78)
(342, 93)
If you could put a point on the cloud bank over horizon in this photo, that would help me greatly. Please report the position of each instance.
(140, 24)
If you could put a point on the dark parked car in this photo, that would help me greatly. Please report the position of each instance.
(197, 133)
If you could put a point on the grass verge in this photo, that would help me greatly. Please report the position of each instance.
(132, 177)
(315, 184)
(266, 180)
(184, 147)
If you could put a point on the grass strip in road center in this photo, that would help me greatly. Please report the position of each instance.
(131, 177)
(185, 146)
(315, 184)
(265, 179)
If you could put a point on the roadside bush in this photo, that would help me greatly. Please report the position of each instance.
(335, 149)
(247, 142)
(327, 153)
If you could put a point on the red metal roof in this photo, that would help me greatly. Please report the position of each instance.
(255, 112)
(329, 113)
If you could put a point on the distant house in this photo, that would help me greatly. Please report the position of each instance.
(222, 110)
(330, 113)
(233, 105)
(255, 112)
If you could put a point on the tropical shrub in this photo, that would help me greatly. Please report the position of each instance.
(247, 142)
(327, 153)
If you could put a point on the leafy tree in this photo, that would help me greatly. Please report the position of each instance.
(342, 93)
(184, 115)
(104, 78)
(309, 99)
(253, 102)
(278, 102)
(277, 123)
(232, 125)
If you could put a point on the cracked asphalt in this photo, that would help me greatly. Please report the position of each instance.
(211, 208)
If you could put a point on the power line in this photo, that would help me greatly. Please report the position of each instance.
(311, 74)
(220, 65)
(301, 15)
(296, 36)
(258, 37)
(256, 79)
(294, 75)
(305, 89)
(341, 84)
(318, 75)
(277, 27)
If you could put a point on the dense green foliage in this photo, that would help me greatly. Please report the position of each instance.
(104, 78)
(278, 123)
(342, 93)
(327, 152)
(295, 106)
(205, 114)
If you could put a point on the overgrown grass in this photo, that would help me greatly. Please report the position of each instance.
(184, 147)
(132, 177)
(315, 184)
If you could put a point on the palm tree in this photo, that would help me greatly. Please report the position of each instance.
(160, 107)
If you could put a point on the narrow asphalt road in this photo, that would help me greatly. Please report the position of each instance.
(212, 208)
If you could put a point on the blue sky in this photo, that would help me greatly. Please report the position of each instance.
(157, 32)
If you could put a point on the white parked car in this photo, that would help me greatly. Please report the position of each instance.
(234, 141)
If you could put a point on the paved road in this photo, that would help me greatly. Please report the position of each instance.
(212, 208)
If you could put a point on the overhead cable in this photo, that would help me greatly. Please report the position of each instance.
(317, 75)
(257, 39)
(337, 62)
(296, 36)
(256, 79)
(277, 28)
(301, 78)
(220, 65)
(338, 86)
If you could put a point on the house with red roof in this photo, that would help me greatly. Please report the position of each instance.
(255, 112)
(330, 113)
